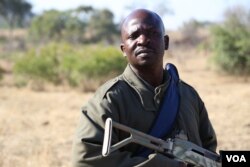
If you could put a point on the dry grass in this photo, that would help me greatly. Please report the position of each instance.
(36, 128)
(17, 33)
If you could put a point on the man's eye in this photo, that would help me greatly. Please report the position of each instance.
(133, 35)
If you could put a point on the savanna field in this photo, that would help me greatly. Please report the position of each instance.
(37, 127)
(52, 62)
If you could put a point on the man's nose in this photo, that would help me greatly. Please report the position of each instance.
(143, 39)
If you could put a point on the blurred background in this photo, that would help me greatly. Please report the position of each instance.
(54, 54)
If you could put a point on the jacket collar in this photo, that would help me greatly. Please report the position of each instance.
(146, 93)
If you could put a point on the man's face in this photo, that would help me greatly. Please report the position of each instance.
(143, 40)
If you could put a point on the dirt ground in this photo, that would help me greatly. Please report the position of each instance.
(36, 128)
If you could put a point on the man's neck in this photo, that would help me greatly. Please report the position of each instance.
(153, 76)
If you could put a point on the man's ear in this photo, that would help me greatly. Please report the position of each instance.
(123, 49)
(166, 40)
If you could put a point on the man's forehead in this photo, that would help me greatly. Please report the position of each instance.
(134, 25)
(146, 22)
(140, 16)
(143, 17)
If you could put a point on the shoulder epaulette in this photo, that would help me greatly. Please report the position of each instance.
(106, 87)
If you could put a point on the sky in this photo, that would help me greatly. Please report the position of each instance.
(173, 12)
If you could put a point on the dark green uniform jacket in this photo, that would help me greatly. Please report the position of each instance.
(129, 100)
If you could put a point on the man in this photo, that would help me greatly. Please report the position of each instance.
(135, 98)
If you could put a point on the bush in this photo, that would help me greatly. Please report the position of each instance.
(231, 43)
(61, 63)
(1, 73)
(38, 66)
(102, 62)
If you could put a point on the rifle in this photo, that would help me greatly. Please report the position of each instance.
(177, 148)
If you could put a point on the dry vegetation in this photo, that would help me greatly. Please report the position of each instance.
(36, 128)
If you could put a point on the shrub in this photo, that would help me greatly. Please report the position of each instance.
(36, 66)
(231, 43)
(62, 63)
(102, 62)
(1, 73)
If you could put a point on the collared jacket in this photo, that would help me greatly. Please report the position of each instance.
(129, 100)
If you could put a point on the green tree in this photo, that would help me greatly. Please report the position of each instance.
(83, 24)
(231, 42)
(101, 26)
(76, 21)
(58, 25)
(15, 12)
(49, 25)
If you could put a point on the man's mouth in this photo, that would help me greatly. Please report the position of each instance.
(143, 51)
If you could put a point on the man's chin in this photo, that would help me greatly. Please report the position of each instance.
(145, 63)
(144, 58)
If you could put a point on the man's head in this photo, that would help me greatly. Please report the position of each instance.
(143, 39)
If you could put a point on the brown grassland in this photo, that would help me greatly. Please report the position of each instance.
(37, 127)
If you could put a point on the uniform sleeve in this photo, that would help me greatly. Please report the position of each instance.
(87, 144)
(207, 133)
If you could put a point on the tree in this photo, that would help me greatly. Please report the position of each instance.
(101, 26)
(49, 25)
(76, 25)
(15, 12)
(83, 24)
(189, 31)
(58, 25)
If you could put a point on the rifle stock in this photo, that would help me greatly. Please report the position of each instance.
(135, 137)
(169, 147)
